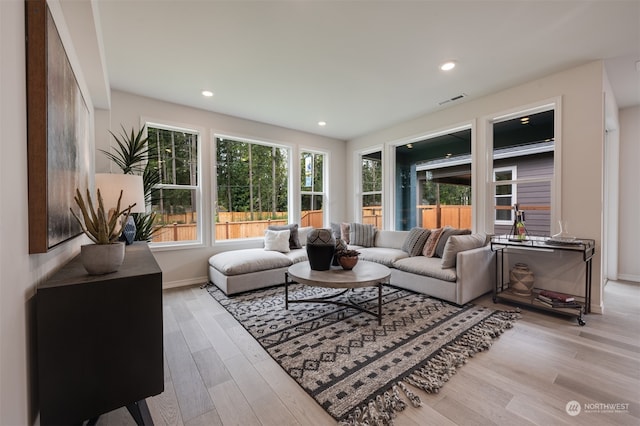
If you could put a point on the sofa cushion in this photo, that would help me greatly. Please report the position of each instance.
(294, 241)
(390, 239)
(385, 256)
(361, 234)
(458, 243)
(427, 266)
(446, 233)
(236, 262)
(414, 243)
(430, 246)
(297, 255)
(277, 240)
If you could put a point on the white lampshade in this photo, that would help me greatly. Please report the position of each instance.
(110, 185)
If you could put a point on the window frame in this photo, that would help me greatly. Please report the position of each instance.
(514, 191)
(325, 183)
(291, 185)
(199, 205)
(552, 104)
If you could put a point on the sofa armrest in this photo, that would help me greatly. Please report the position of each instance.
(475, 270)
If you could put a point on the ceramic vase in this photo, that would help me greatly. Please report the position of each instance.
(521, 279)
(321, 246)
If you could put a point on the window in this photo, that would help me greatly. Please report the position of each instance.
(173, 153)
(505, 194)
(434, 187)
(312, 189)
(252, 187)
(372, 189)
(524, 142)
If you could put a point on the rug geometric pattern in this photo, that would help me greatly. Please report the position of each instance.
(354, 368)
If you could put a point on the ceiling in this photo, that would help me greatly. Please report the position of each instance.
(359, 66)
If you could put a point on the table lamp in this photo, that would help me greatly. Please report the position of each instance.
(132, 187)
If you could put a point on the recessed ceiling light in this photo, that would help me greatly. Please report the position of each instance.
(207, 93)
(322, 123)
(448, 66)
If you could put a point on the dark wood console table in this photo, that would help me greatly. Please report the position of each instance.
(99, 340)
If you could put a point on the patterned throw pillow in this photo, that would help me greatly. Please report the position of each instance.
(430, 246)
(362, 235)
(415, 241)
(294, 242)
(447, 232)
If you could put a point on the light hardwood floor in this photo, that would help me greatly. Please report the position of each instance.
(216, 374)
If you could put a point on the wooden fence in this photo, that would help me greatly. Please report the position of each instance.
(455, 216)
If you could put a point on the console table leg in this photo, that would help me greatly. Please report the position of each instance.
(140, 413)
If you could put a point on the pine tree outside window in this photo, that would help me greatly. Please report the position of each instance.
(252, 183)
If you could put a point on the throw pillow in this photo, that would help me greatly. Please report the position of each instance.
(430, 246)
(294, 241)
(362, 234)
(345, 230)
(446, 233)
(277, 240)
(415, 241)
(458, 243)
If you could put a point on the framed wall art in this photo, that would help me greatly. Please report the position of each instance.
(58, 133)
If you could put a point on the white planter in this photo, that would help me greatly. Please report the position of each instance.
(100, 259)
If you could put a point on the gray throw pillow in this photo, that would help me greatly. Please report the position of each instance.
(294, 242)
(414, 243)
(362, 235)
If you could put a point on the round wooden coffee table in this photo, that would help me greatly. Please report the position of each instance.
(364, 274)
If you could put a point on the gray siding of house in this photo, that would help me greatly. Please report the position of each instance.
(537, 222)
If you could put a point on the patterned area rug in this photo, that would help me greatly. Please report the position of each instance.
(356, 370)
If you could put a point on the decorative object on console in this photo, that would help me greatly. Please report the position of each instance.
(347, 258)
(518, 230)
(563, 236)
(104, 229)
(131, 187)
(521, 279)
(320, 248)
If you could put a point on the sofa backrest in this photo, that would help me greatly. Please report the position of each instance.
(390, 239)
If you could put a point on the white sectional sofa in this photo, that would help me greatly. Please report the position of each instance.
(472, 275)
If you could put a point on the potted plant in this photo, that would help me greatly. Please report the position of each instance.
(132, 156)
(347, 258)
(104, 229)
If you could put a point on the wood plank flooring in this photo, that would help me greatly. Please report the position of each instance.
(216, 374)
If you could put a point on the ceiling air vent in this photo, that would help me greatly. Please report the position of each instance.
(455, 98)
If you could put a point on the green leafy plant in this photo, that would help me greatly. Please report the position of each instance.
(101, 227)
(132, 156)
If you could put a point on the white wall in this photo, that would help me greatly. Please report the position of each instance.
(629, 228)
(189, 266)
(581, 92)
(19, 271)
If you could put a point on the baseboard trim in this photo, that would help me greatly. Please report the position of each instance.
(185, 283)
(629, 277)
